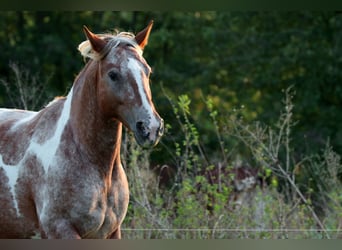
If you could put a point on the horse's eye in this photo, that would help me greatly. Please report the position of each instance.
(114, 76)
(130, 45)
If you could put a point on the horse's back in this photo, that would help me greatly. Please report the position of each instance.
(12, 119)
(20, 129)
(14, 134)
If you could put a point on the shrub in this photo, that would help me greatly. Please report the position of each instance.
(193, 206)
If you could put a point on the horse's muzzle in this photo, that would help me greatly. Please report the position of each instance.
(148, 136)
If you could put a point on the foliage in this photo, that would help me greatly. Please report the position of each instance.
(286, 208)
(24, 90)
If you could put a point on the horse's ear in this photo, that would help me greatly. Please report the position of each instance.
(96, 43)
(142, 37)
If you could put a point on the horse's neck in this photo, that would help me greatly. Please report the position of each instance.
(100, 139)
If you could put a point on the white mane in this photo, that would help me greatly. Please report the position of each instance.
(113, 41)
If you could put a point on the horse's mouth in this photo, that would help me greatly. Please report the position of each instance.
(146, 144)
(148, 137)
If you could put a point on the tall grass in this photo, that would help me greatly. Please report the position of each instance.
(24, 90)
(302, 198)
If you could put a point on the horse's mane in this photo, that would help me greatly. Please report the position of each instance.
(113, 40)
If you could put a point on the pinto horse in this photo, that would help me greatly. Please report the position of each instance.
(60, 169)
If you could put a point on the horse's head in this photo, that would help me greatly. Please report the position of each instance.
(123, 82)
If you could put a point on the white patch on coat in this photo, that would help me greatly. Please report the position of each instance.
(47, 151)
(6, 114)
(12, 175)
(30, 116)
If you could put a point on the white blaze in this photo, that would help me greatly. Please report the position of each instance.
(136, 70)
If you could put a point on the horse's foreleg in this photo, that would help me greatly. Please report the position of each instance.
(116, 234)
(61, 229)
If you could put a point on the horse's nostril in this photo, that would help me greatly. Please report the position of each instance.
(142, 129)
(140, 125)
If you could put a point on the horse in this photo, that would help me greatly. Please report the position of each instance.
(61, 174)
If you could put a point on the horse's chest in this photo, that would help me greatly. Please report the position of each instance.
(105, 212)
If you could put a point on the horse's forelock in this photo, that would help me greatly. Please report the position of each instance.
(113, 41)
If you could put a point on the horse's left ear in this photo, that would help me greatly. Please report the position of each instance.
(142, 37)
(96, 43)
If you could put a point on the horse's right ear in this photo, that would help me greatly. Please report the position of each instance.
(142, 37)
(96, 42)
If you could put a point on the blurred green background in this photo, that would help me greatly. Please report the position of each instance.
(242, 60)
